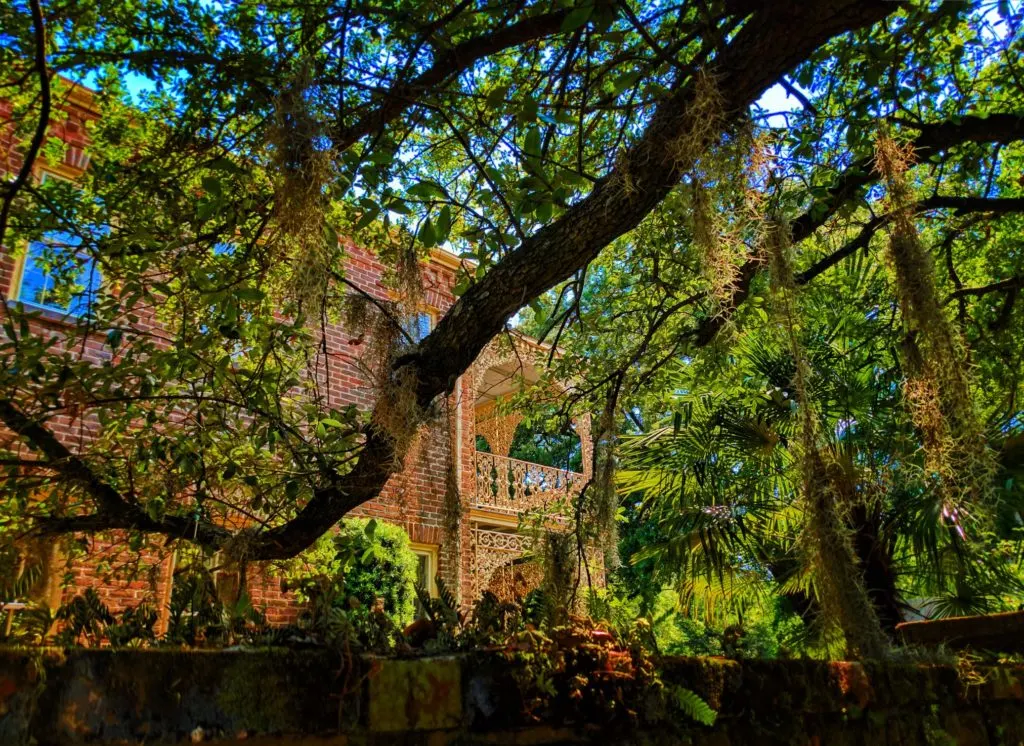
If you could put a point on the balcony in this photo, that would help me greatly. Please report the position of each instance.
(505, 486)
(510, 486)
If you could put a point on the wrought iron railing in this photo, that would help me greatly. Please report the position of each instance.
(493, 550)
(509, 485)
(495, 554)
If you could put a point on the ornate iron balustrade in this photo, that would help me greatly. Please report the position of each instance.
(511, 486)
(493, 550)
(497, 551)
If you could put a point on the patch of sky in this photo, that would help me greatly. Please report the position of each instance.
(844, 426)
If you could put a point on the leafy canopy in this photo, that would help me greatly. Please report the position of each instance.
(237, 142)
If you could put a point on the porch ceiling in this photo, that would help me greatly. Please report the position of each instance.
(504, 379)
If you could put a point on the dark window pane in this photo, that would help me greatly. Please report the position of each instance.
(422, 580)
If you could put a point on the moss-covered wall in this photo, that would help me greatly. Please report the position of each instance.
(289, 697)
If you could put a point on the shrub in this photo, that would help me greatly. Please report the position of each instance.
(363, 562)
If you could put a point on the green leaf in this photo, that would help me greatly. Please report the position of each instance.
(427, 235)
(538, 308)
(365, 219)
(155, 508)
(497, 97)
(577, 17)
(226, 165)
(250, 294)
(427, 190)
(444, 224)
(212, 186)
(532, 145)
(692, 705)
(544, 211)
(625, 82)
(527, 111)
(331, 235)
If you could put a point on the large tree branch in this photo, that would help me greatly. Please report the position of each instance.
(175, 527)
(461, 57)
(777, 38)
(781, 34)
(991, 128)
(115, 512)
(962, 205)
(965, 205)
(860, 241)
(709, 328)
(58, 456)
(931, 138)
(1008, 285)
(849, 185)
(751, 63)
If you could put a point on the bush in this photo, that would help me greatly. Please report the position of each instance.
(380, 565)
(771, 632)
(365, 560)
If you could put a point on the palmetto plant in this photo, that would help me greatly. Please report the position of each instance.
(719, 480)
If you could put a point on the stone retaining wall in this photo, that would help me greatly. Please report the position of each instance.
(314, 697)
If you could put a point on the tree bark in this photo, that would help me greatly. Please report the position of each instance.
(876, 568)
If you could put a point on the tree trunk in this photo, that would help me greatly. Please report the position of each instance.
(876, 567)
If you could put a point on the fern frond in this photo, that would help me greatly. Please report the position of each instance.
(691, 705)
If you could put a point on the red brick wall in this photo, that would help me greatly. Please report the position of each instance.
(70, 124)
(413, 498)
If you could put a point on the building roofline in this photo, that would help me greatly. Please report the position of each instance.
(80, 95)
(450, 260)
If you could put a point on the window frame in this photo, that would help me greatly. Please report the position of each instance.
(430, 551)
(22, 258)
(411, 323)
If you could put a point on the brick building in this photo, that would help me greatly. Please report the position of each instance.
(492, 488)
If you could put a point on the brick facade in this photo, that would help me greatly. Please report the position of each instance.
(414, 498)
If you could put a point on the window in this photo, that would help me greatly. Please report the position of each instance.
(56, 276)
(426, 570)
(419, 325)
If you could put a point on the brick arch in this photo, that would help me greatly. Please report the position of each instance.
(421, 533)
